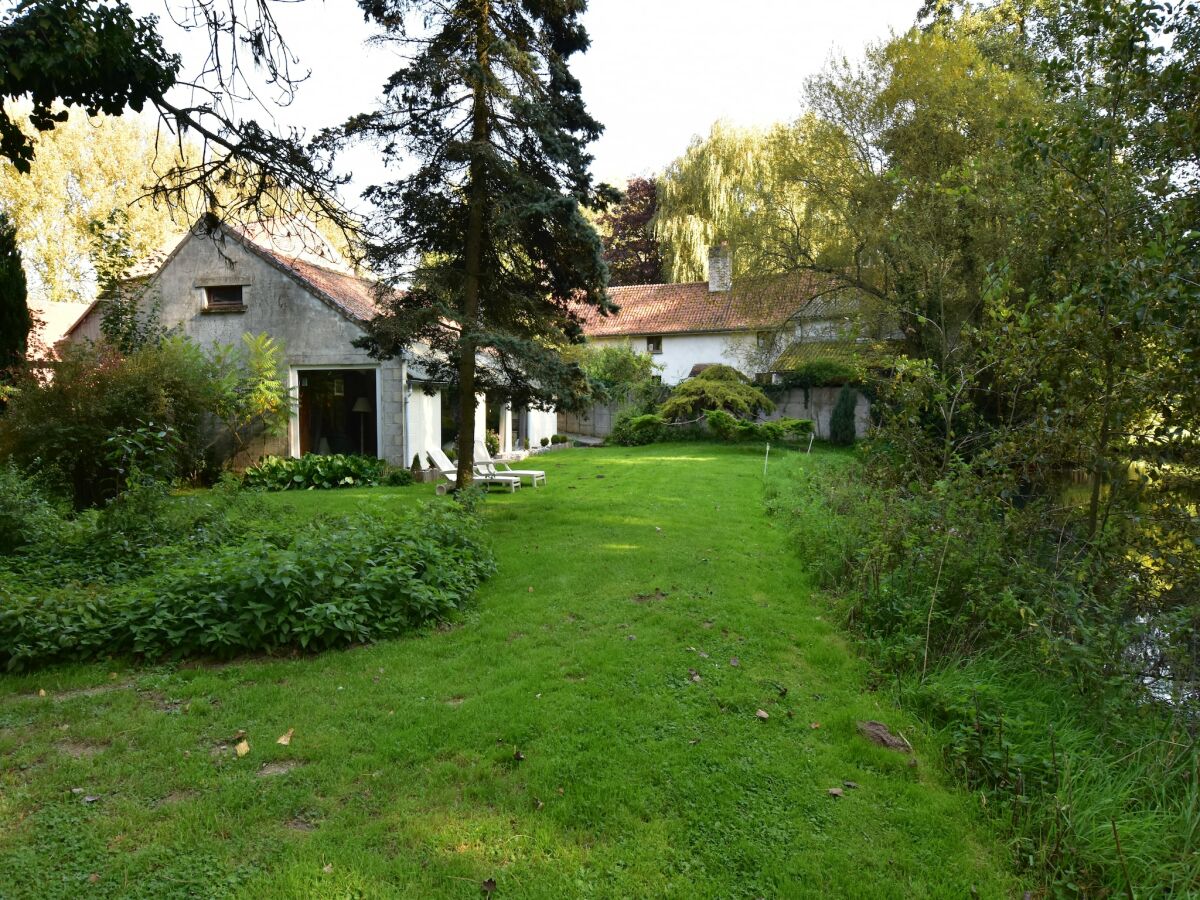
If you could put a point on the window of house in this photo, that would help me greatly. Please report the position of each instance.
(224, 297)
(654, 344)
(764, 339)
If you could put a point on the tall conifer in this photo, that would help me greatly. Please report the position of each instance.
(485, 227)
(15, 320)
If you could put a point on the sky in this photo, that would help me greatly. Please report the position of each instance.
(658, 72)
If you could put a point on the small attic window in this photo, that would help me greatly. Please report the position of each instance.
(224, 298)
(654, 344)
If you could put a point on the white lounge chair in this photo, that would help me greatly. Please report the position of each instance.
(484, 460)
(449, 471)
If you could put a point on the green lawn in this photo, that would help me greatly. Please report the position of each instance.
(554, 740)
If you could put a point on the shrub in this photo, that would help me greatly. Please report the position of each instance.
(545, 442)
(77, 423)
(633, 430)
(731, 428)
(313, 471)
(842, 431)
(717, 387)
(27, 516)
(397, 476)
(491, 440)
(560, 439)
(331, 583)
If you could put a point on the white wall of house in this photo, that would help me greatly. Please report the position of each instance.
(682, 351)
(542, 424)
(424, 423)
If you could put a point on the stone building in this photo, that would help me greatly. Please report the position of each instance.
(285, 281)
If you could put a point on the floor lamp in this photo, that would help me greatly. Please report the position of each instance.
(362, 406)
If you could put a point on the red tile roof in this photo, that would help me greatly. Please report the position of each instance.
(753, 304)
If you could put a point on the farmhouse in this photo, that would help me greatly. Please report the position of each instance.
(770, 328)
(284, 280)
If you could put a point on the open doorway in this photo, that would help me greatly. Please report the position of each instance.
(338, 411)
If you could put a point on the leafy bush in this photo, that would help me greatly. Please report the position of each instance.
(717, 387)
(731, 428)
(491, 440)
(545, 442)
(313, 471)
(633, 430)
(27, 516)
(842, 431)
(819, 373)
(397, 476)
(79, 422)
(560, 439)
(333, 582)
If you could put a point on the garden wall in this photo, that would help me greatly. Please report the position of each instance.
(594, 421)
(817, 403)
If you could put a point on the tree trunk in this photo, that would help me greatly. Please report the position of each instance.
(476, 208)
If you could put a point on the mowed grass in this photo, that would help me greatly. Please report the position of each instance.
(588, 729)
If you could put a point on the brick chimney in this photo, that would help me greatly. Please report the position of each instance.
(720, 269)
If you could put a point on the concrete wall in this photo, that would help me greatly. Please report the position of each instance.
(818, 405)
(596, 420)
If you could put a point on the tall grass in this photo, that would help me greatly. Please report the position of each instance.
(1096, 784)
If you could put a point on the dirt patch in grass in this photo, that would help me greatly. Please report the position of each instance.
(176, 797)
(78, 749)
(282, 767)
(299, 824)
(655, 597)
(456, 700)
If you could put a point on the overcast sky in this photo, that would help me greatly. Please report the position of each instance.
(658, 73)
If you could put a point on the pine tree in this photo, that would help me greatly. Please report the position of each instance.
(15, 320)
(488, 230)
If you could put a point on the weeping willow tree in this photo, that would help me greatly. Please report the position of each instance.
(752, 188)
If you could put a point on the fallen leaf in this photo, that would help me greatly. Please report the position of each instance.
(763, 715)
(703, 655)
(814, 725)
(41, 692)
(518, 756)
(489, 884)
(286, 738)
(242, 748)
(93, 878)
(693, 675)
(537, 804)
(850, 785)
(835, 792)
(76, 790)
(735, 662)
(693, 742)
(90, 798)
(327, 868)
(878, 733)
(241, 733)
(531, 589)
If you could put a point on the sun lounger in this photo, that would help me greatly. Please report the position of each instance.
(484, 460)
(449, 471)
